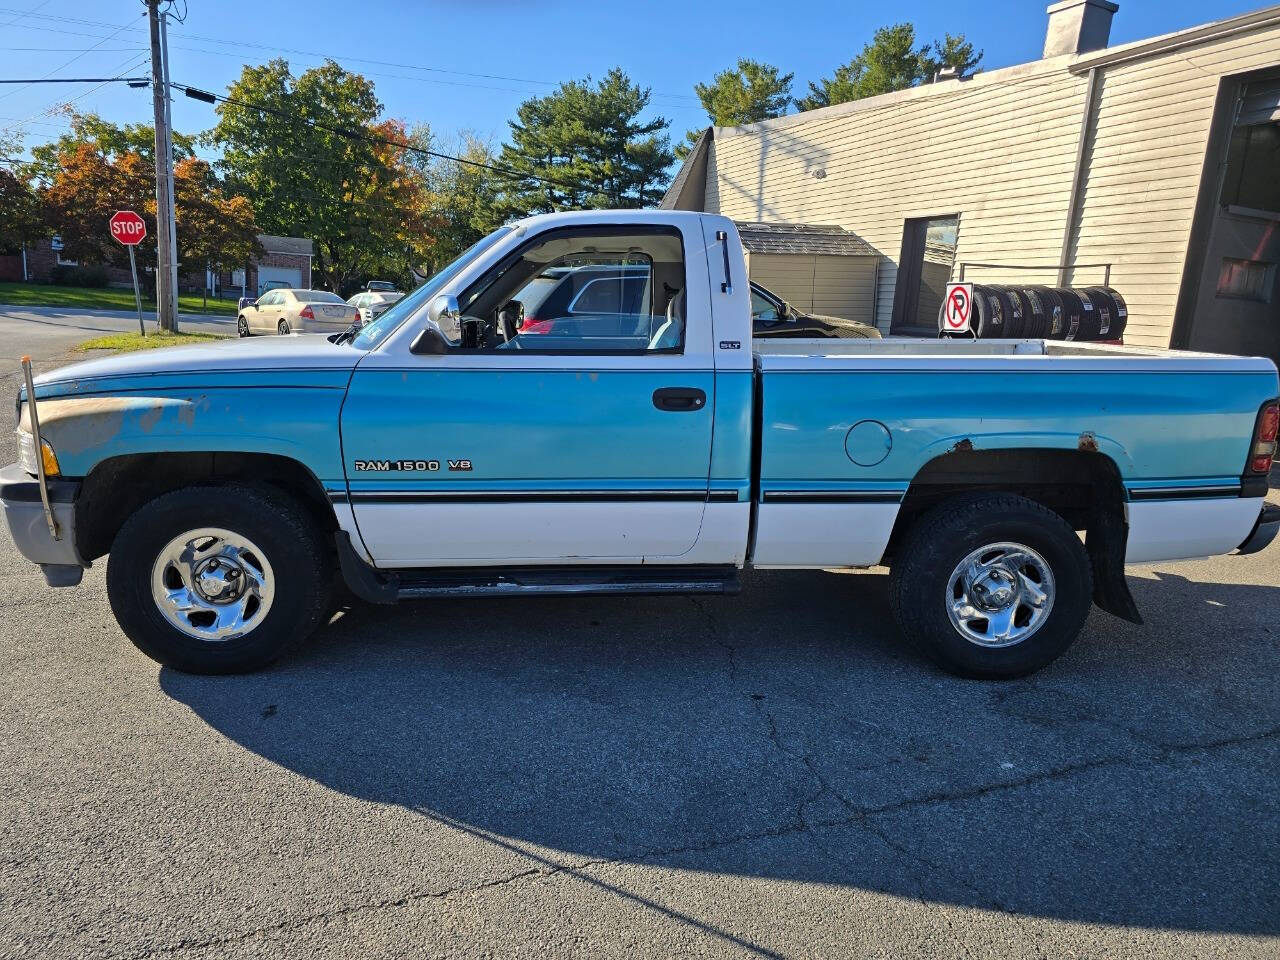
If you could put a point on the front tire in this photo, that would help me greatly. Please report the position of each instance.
(991, 586)
(218, 579)
(242, 327)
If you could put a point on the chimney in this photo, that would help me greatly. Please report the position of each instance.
(1078, 26)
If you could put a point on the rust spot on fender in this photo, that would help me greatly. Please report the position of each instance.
(963, 446)
(1088, 442)
(187, 412)
(148, 420)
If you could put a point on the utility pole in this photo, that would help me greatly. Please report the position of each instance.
(168, 166)
(166, 289)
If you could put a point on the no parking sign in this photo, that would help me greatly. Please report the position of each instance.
(958, 307)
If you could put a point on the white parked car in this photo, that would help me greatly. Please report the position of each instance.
(371, 303)
(296, 311)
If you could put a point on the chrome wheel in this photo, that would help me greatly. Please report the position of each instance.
(1000, 594)
(283, 328)
(212, 584)
(242, 327)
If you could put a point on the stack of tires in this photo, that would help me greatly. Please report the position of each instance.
(1089, 314)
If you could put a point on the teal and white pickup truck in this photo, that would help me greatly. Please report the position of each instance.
(441, 453)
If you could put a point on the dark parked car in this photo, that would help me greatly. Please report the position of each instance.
(559, 293)
(771, 316)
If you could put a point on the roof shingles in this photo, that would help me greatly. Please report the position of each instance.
(804, 238)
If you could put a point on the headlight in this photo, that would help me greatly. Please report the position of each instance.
(27, 455)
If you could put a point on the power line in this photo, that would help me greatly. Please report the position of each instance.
(62, 66)
(129, 65)
(25, 13)
(388, 63)
(81, 80)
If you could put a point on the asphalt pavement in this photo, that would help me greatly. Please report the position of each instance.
(51, 331)
(772, 774)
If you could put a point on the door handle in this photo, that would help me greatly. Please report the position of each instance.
(679, 398)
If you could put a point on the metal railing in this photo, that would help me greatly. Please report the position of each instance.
(1105, 267)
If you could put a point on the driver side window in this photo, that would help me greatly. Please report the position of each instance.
(585, 291)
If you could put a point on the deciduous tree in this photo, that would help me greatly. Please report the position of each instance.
(463, 194)
(21, 213)
(214, 230)
(308, 153)
(96, 171)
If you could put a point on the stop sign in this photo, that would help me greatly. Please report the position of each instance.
(128, 227)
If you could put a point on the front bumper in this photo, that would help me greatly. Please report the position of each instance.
(23, 512)
(1264, 531)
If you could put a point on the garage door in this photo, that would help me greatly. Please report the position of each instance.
(288, 276)
(836, 286)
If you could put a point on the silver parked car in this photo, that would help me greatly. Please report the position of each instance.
(296, 311)
(372, 303)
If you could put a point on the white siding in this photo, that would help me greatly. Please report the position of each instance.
(836, 286)
(1000, 151)
(1143, 166)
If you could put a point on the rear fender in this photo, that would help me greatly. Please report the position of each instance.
(1085, 441)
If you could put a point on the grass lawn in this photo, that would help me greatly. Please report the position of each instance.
(125, 342)
(108, 298)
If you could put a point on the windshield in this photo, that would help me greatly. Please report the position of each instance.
(372, 333)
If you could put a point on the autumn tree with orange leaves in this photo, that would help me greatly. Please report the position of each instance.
(99, 168)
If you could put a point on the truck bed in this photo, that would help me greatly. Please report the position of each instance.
(846, 427)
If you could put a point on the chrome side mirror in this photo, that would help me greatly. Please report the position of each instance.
(445, 313)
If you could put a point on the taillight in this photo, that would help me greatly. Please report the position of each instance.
(306, 313)
(1263, 451)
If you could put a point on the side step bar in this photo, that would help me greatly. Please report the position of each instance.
(378, 586)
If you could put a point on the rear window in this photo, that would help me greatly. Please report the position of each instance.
(611, 295)
(317, 296)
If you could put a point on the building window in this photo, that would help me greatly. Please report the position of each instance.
(1253, 156)
(1245, 279)
(928, 256)
(56, 244)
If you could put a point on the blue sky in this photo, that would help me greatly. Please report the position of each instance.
(467, 66)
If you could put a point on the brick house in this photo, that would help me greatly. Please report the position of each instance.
(284, 259)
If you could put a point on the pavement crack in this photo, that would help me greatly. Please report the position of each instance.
(859, 816)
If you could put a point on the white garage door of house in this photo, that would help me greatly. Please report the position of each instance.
(290, 276)
(836, 286)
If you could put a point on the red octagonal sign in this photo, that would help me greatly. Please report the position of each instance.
(128, 227)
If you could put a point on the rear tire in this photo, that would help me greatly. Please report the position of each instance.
(991, 586)
(219, 579)
(282, 328)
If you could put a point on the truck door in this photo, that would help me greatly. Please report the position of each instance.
(585, 438)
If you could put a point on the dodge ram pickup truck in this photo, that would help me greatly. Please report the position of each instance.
(438, 452)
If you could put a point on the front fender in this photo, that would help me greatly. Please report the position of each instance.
(300, 424)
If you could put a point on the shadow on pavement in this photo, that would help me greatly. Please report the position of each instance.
(785, 733)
